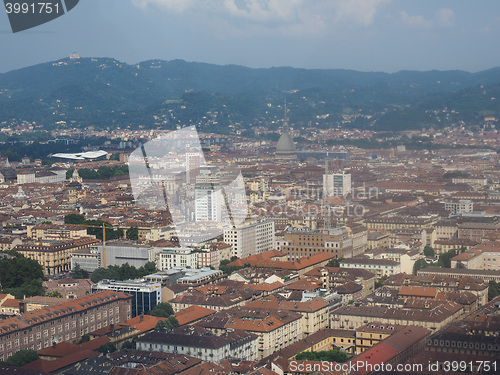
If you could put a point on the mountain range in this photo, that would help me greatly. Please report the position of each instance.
(104, 92)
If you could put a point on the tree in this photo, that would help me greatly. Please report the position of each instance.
(162, 310)
(78, 273)
(22, 357)
(328, 355)
(107, 348)
(334, 262)
(493, 290)
(55, 293)
(74, 219)
(419, 264)
(445, 258)
(133, 233)
(170, 323)
(380, 282)
(129, 344)
(429, 251)
(18, 270)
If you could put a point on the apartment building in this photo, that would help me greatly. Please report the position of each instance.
(276, 329)
(315, 313)
(251, 238)
(304, 242)
(40, 232)
(55, 256)
(380, 267)
(201, 343)
(68, 321)
(177, 257)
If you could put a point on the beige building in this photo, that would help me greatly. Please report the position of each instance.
(432, 315)
(41, 232)
(55, 258)
(276, 329)
(307, 242)
(314, 312)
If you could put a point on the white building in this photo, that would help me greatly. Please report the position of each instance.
(208, 202)
(177, 257)
(251, 238)
(202, 344)
(336, 184)
(463, 206)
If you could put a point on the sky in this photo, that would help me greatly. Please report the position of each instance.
(365, 35)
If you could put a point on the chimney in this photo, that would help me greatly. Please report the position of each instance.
(141, 317)
(54, 345)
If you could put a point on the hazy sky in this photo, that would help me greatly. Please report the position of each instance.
(367, 35)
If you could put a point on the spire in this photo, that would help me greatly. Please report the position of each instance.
(285, 119)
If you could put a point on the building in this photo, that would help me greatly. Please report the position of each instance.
(481, 257)
(194, 160)
(208, 201)
(251, 238)
(121, 252)
(396, 349)
(303, 242)
(380, 267)
(406, 258)
(145, 295)
(88, 259)
(315, 313)
(55, 256)
(220, 296)
(41, 232)
(69, 288)
(285, 149)
(397, 222)
(372, 333)
(203, 344)
(377, 239)
(210, 256)
(276, 329)
(482, 275)
(68, 321)
(432, 315)
(177, 257)
(462, 206)
(336, 185)
(477, 230)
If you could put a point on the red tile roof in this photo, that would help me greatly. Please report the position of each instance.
(192, 314)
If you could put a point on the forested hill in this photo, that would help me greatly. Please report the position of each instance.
(105, 92)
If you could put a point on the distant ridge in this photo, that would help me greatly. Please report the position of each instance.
(92, 90)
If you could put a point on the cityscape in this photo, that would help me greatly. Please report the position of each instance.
(251, 187)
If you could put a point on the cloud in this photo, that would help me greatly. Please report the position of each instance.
(416, 20)
(361, 11)
(445, 17)
(295, 16)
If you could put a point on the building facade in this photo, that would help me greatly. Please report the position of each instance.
(68, 321)
(251, 238)
(145, 295)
